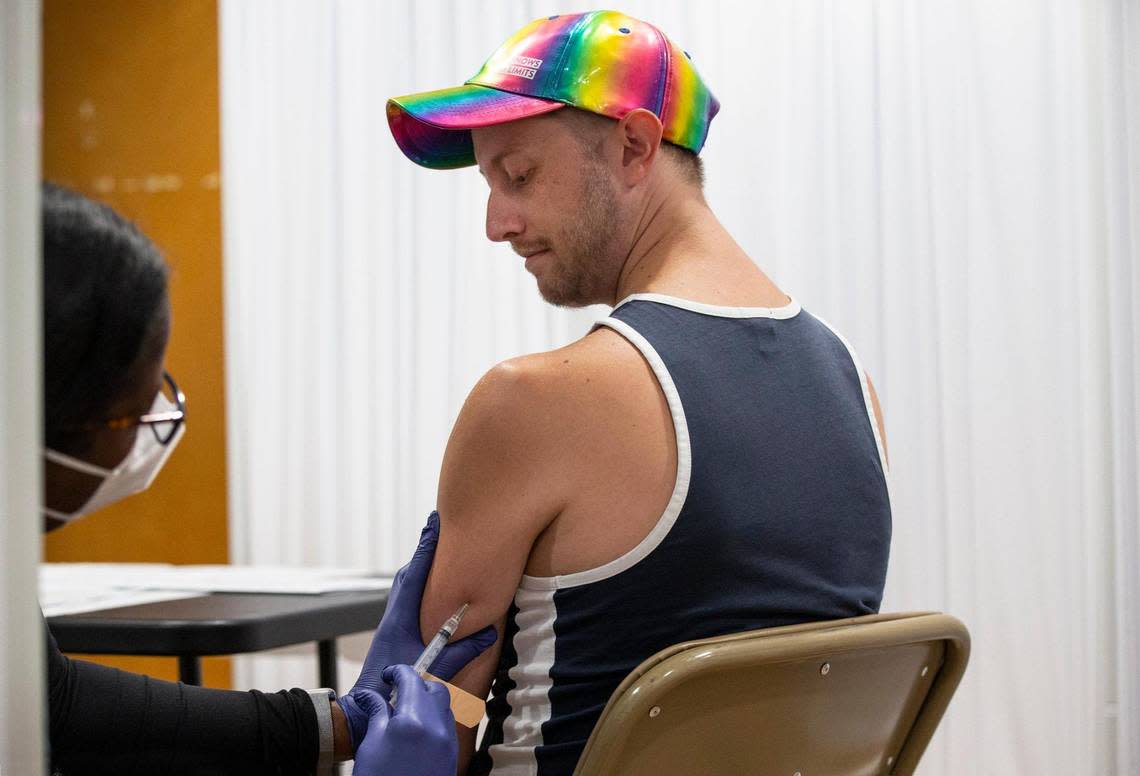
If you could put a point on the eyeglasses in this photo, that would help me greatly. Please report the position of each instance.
(164, 425)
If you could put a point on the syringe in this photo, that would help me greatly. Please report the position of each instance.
(436, 645)
(439, 641)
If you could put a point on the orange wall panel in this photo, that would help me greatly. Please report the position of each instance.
(131, 117)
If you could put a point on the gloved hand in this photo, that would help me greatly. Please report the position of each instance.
(397, 640)
(417, 738)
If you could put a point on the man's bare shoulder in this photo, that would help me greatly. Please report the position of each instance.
(597, 367)
(557, 446)
(528, 418)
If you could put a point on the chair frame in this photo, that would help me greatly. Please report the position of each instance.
(634, 698)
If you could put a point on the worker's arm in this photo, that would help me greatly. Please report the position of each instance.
(106, 720)
(500, 487)
(103, 720)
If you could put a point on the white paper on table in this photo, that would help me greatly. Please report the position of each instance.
(58, 602)
(128, 576)
(208, 578)
(273, 579)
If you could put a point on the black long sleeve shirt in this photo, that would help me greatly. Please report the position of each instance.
(107, 721)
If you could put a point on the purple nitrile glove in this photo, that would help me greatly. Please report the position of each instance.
(397, 640)
(417, 738)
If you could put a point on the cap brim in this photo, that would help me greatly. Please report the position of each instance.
(433, 129)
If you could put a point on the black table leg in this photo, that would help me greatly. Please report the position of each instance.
(326, 659)
(190, 669)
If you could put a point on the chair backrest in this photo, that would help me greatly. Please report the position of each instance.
(856, 696)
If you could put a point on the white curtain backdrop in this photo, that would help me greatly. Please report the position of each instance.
(955, 184)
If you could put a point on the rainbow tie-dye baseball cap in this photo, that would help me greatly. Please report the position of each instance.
(602, 61)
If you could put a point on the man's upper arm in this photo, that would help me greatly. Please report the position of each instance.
(497, 493)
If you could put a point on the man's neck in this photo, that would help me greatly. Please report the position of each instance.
(680, 248)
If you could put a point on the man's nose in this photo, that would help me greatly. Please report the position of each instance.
(504, 222)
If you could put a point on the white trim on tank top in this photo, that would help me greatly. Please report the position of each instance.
(790, 310)
(868, 405)
(529, 701)
(680, 486)
(680, 428)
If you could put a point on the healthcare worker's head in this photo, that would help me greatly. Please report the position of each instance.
(111, 413)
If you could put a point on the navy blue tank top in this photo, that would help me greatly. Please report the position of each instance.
(780, 514)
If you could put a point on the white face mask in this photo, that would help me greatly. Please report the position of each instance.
(134, 473)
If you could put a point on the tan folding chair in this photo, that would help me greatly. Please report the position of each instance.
(837, 698)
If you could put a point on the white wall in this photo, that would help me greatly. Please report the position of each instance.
(21, 631)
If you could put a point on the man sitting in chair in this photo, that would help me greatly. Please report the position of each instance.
(709, 459)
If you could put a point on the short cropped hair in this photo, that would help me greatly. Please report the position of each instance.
(588, 125)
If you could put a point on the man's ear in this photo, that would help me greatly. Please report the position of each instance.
(640, 135)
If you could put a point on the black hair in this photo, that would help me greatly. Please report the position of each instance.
(105, 306)
(692, 164)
